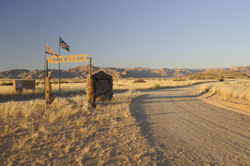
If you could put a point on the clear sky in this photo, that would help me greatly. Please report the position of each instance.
(127, 33)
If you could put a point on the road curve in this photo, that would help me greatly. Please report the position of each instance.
(188, 131)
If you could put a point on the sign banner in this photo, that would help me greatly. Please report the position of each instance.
(68, 58)
(19, 84)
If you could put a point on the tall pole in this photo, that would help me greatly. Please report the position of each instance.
(44, 66)
(48, 86)
(59, 63)
(47, 72)
(90, 67)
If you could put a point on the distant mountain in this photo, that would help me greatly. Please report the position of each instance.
(213, 74)
(83, 70)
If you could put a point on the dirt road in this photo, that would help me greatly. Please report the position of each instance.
(188, 131)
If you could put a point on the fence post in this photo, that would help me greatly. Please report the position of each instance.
(48, 86)
(48, 90)
(91, 87)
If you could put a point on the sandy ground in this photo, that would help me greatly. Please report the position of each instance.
(177, 126)
(106, 135)
(187, 127)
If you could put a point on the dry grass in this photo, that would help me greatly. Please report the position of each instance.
(69, 87)
(237, 89)
(118, 84)
(152, 83)
(66, 133)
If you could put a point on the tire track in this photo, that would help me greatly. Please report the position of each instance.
(191, 132)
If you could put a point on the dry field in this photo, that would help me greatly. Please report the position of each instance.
(65, 87)
(73, 85)
(66, 133)
(238, 89)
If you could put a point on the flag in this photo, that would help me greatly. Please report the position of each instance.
(48, 50)
(63, 44)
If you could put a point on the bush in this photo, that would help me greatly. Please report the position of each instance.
(6, 84)
(9, 84)
(156, 86)
(139, 81)
(220, 79)
(179, 79)
(3, 83)
(200, 78)
(247, 78)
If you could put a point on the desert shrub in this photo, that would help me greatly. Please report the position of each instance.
(6, 84)
(156, 86)
(3, 83)
(179, 79)
(9, 84)
(79, 81)
(139, 81)
(61, 81)
(201, 78)
(247, 78)
(38, 82)
(220, 79)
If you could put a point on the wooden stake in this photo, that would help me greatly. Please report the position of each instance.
(48, 90)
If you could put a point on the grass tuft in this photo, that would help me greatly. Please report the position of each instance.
(139, 81)
(237, 89)
(156, 86)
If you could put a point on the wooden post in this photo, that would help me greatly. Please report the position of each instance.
(91, 96)
(48, 86)
(90, 66)
(91, 89)
(48, 90)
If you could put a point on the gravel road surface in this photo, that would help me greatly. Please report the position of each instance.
(187, 131)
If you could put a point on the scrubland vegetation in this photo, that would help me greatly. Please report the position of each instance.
(76, 85)
(67, 133)
(151, 83)
(237, 89)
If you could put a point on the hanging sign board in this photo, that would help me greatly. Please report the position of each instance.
(68, 58)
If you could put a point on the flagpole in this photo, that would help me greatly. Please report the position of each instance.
(59, 63)
(44, 66)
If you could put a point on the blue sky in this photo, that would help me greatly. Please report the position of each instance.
(127, 33)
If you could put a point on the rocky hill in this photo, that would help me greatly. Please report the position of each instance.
(83, 70)
(213, 74)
